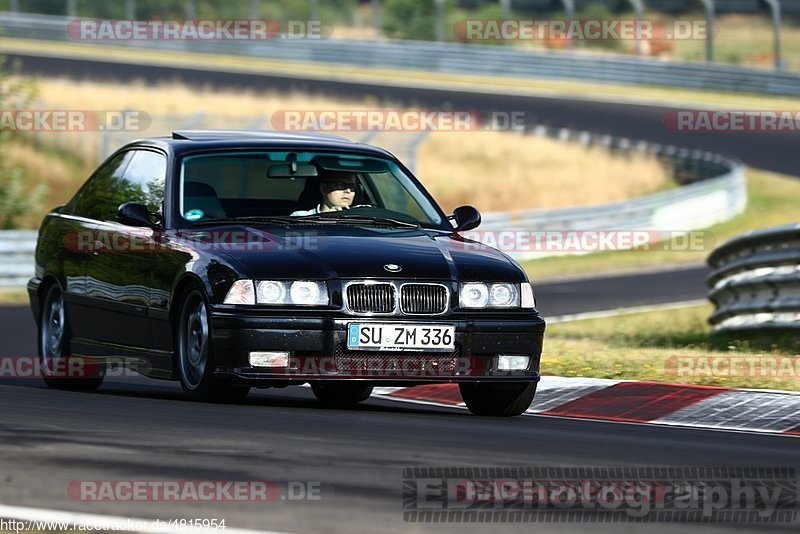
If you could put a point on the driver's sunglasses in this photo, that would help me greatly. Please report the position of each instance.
(341, 186)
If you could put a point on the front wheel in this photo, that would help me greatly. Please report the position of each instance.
(196, 358)
(59, 369)
(503, 400)
(341, 394)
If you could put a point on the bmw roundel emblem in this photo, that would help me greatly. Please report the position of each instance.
(392, 267)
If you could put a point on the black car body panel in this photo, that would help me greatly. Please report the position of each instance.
(123, 302)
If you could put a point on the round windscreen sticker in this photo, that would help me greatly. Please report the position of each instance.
(193, 215)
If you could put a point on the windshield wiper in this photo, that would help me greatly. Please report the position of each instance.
(256, 218)
(362, 219)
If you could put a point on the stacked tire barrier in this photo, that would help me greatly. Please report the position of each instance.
(755, 282)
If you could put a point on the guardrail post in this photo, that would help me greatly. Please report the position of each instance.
(775, 7)
(376, 16)
(14, 6)
(569, 9)
(440, 20)
(638, 9)
(130, 9)
(314, 10)
(70, 8)
(709, 5)
(190, 9)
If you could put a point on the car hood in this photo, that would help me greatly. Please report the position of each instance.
(348, 252)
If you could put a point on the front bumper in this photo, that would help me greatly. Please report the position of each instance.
(318, 350)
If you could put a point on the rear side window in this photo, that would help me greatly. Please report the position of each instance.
(98, 199)
(133, 176)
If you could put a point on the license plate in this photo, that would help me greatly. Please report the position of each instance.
(384, 336)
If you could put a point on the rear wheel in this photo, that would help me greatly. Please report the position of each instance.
(345, 394)
(504, 400)
(59, 369)
(195, 355)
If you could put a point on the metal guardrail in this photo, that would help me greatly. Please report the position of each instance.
(755, 282)
(715, 192)
(453, 58)
(17, 248)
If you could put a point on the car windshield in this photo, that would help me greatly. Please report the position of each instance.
(310, 187)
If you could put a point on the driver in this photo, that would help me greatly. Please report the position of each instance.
(337, 189)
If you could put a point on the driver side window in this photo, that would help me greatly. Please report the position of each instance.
(144, 179)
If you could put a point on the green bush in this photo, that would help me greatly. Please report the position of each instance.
(15, 198)
(410, 19)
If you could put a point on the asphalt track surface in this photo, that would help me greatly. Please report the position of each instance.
(772, 151)
(141, 429)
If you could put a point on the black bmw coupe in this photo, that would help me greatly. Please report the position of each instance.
(217, 258)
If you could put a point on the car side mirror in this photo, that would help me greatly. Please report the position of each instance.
(466, 218)
(135, 214)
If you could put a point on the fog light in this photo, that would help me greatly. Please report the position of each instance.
(269, 359)
(509, 362)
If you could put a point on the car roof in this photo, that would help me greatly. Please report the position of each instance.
(191, 140)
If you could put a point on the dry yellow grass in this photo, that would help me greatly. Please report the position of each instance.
(499, 171)
(172, 98)
(559, 88)
(62, 177)
(492, 170)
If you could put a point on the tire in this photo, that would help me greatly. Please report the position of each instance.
(54, 349)
(195, 356)
(341, 394)
(499, 400)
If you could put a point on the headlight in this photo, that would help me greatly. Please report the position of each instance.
(480, 295)
(473, 296)
(300, 293)
(271, 292)
(241, 292)
(309, 293)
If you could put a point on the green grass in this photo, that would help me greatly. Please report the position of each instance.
(648, 346)
(772, 200)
